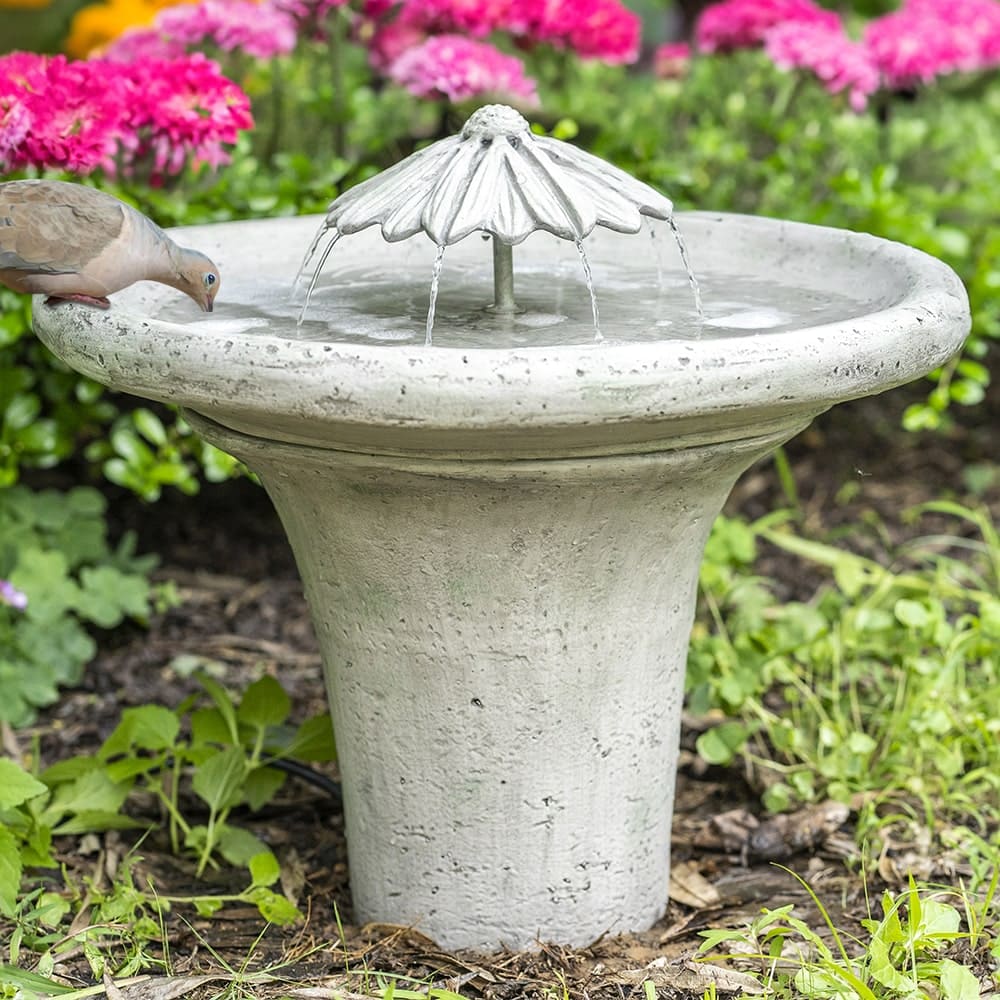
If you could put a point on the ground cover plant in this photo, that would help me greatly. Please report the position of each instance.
(843, 679)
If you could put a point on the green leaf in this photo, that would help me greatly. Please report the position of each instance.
(219, 780)
(16, 785)
(108, 595)
(223, 703)
(148, 727)
(93, 792)
(207, 906)
(314, 740)
(958, 982)
(239, 846)
(720, 744)
(261, 785)
(149, 425)
(264, 868)
(264, 704)
(10, 872)
(274, 907)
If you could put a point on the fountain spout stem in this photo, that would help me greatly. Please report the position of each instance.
(503, 277)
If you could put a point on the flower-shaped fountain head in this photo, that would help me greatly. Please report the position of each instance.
(495, 177)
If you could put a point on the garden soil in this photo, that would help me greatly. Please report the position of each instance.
(242, 613)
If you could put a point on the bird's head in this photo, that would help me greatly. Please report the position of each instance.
(198, 277)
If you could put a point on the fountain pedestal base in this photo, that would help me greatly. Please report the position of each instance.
(504, 646)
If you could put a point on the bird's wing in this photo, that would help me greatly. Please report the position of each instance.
(55, 228)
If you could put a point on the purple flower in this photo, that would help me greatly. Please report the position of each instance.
(11, 596)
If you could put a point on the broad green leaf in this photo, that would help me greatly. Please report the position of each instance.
(219, 780)
(264, 868)
(223, 703)
(720, 744)
(274, 907)
(209, 726)
(16, 785)
(313, 740)
(913, 614)
(93, 792)
(262, 785)
(107, 595)
(10, 872)
(264, 704)
(958, 982)
(239, 846)
(148, 727)
(207, 906)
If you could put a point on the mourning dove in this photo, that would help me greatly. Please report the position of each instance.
(77, 244)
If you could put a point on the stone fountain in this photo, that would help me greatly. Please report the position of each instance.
(500, 530)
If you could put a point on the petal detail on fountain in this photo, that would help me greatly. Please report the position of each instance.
(497, 177)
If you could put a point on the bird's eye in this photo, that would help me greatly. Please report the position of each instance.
(210, 279)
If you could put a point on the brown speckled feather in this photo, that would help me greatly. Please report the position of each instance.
(48, 228)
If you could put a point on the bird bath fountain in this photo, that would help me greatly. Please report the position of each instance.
(500, 531)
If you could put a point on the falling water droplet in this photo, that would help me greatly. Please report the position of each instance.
(590, 288)
(692, 280)
(315, 277)
(432, 304)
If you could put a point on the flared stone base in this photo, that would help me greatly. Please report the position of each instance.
(505, 646)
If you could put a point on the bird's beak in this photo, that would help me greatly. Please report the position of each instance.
(208, 305)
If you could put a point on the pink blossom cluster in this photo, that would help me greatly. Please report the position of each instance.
(261, 30)
(671, 60)
(593, 29)
(922, 40)
(79, 116)
(741, 24)
(929, 38)
(458, 68)
(839, 63)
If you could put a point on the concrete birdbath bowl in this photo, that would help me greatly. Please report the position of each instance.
(500, 531)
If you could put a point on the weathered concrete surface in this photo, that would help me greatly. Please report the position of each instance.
(501, 549)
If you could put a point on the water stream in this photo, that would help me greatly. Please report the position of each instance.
(598, 336)
(432, 303)
(685, 260)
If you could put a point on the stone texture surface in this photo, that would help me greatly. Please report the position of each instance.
(504, 645)
(501, 549)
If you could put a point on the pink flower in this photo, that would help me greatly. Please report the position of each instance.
(260, 30)
(186, 108)
(740, 24)
(671, 60)
(930, 38)
(473, 17)
(15, 124)
(594, 29)
(100, 113)
(138, 44)
(75, 116)
(838, 62)
(457, 68)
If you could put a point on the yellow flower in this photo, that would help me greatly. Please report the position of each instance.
(96, 25)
